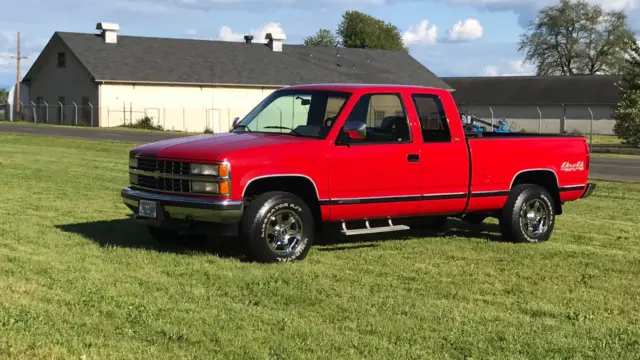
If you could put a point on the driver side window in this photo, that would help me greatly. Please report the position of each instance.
(385, 119)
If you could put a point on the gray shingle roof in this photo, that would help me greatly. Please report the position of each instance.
(168, 60)
(532, 90)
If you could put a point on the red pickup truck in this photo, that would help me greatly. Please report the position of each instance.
(364, 158)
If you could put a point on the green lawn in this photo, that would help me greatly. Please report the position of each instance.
(604, 139)
(80, 281)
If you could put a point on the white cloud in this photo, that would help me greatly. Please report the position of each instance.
(421, 34)
(511, 68)
(227, 34)
(191, 31)
(467, 30)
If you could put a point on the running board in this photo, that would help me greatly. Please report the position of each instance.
(373, 230)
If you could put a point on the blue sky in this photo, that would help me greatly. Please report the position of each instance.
(450, 37)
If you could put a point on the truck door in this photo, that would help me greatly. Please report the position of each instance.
(377, 176)
(444, 158)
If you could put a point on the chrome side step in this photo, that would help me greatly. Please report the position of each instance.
(373, 230)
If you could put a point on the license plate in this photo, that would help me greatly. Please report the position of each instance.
(147, 209)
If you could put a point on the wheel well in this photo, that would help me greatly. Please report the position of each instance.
(545, 178)
(297, 185)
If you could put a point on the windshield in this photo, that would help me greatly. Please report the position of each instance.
(309, 113)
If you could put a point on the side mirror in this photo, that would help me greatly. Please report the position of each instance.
(235, 122)
(355, 130)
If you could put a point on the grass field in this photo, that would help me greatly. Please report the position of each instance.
(80, 281)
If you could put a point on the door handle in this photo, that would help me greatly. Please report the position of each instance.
(413, 157)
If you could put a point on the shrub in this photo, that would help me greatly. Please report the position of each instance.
(145, 122)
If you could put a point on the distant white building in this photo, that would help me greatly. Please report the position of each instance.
(12, 99)
(106, 79)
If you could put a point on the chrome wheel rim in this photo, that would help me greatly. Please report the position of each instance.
(284, 232)
(535, 217)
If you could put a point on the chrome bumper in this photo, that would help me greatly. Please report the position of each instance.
(172, 207)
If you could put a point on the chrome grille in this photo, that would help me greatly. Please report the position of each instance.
(164, 184)
(164, 166)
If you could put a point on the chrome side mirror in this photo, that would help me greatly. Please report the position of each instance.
(235, 122)
(356, 130)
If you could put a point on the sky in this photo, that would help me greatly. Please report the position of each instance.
(450, 37)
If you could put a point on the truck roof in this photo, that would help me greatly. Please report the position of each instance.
(355, 87)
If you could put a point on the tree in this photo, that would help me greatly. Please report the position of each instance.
(4, 95)
(357, 28)
(323, 37)
(576, 38)
(627, 113)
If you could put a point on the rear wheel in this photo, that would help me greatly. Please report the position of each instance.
(278, 226)
(528, 215)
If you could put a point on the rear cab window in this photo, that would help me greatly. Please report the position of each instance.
(433, 119)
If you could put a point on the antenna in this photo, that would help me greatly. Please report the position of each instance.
(18, 58)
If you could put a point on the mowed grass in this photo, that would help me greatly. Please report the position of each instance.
(81, 281)
(604, 139)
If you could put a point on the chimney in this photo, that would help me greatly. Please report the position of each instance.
(109, 32)
(248, 39)
(275, 41)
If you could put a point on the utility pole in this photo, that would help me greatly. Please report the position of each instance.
(18, 58)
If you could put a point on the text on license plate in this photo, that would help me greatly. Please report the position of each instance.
(147, 209)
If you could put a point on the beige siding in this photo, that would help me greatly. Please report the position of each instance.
(73, 82)
(182, 108)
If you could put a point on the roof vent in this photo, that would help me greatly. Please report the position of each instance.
(109, 32)
(248, 39)
(275, 41)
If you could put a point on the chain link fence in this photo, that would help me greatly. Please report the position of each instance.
(545, 119)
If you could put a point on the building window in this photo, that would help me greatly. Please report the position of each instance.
(62, 60)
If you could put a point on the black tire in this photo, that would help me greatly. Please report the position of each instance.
(432, 224)
(513, 215)
(260, 216)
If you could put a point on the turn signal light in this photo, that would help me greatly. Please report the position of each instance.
(223, 187)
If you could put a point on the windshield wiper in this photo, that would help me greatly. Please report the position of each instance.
(284, 128)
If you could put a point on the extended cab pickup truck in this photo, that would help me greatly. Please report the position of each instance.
(363, 158)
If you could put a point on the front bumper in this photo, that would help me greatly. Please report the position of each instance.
(182, 208)
(588, 190)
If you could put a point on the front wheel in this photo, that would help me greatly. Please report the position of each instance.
(278, 227)
(528, 215)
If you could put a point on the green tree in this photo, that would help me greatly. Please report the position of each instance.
(576, 38)
(627, 112)
(323, 37)
(357, 28)
(4, 95)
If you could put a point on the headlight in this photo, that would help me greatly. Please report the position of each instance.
(221, 188)
(204, 187)
(133, 162)
(210, 170)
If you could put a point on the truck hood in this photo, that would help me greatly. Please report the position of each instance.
(214, 147)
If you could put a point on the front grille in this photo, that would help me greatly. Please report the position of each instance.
(164, 184)
(164, 166)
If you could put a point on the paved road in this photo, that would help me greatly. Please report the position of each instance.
(87, 133)
(601, 168)
(615, 169)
